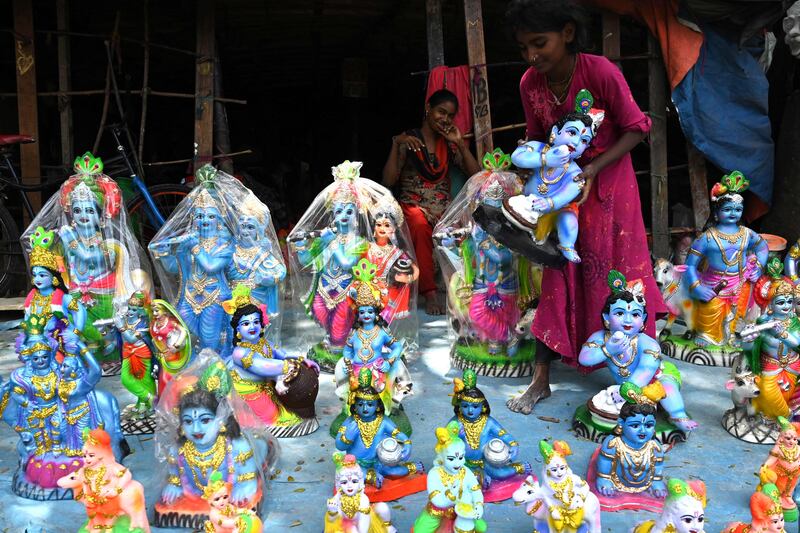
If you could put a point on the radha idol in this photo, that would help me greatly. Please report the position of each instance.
(103, 260)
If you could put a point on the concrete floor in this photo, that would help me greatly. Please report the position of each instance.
(724, 463)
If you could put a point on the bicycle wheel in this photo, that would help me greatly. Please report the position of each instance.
(11, 260)
(166, 197)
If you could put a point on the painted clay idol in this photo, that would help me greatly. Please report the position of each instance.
(48, 299)
(684, 510)
(723, 263)
(50, 405)
(223, 517)
(257, 261)
(278, 388)
(626, 470)
(193, 250)
(784, 461)
(490, 449)
(172, 342)
(329, 255)
(372, 345)
(114, 500)
(488, 287)
(349, 510)
(201, 434)
(563, 502)
(548, 200)
(767, 517)
(455, 500)
(104, 262)
(632, 357)
(380, 447)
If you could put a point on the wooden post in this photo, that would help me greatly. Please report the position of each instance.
(658, 150)
(145, 80)
(204, 84)
(433, 10)
(698, 183)
(64, 84)
(222, 131)
(476, 54)
(611, 36)
(27, 107)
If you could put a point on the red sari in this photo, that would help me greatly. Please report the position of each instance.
(611, 232)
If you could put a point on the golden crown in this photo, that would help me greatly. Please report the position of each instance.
(783, 287)
(253, 207)
(389, 208)
(137, 299)
(42, 257)
(215, 482)
(368, 295)
(204, 199)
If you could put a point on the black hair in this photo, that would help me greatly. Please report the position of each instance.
(630, 409)
(625, 296)
(542, 16)
(58, 281)
(208, 400)
(441, 96)
(245, 310)
(585, 119)
(476, 394)
(717, 204)
(381, 409)
(379, 320)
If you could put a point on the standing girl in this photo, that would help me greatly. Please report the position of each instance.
(421, 159)
(550, 34)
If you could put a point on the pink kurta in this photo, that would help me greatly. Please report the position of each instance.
(611, 232)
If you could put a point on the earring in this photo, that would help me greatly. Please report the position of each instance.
(55, 282)
(552, 138)
(222, 428)
(617, 430)
(238, 335)
(605, 323)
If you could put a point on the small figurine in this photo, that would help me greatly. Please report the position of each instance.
(563, 503)
(790, 262)
(784, 461)
(133, 324)
(380, 447)
(732, 257)
(171, 341)
(548, 200)
(684, 510)
(263, 375)
(256, 262)
(491, 450)
(767, 517)
(370, 344)
(49, 406)
(48, 298)
(224, 517)
(455, 500)
(629, 464)
(771, 345)
(330, 254)
(200, 258)
(395, 267)
(114, 500)
(630, 354)
(349, 510)
(208, 439)
(488, 285)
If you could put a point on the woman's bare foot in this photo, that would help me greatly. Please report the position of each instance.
(538, 390)
(432, 304)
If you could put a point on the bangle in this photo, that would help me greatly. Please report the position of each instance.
(552, 204)
(693, 285)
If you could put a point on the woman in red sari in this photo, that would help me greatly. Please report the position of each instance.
(420, 160)
(612, 236)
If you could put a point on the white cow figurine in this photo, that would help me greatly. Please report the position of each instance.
(743, 386)
(675, 294)
(562, 502)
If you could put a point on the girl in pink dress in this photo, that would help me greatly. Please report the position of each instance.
(549, 34)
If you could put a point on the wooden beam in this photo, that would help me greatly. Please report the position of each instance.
(433, 11)
(657, 85)
(204, 83)
(64, 83)
(27, 107)
(698, 183)
(476, 54)
(611, 35)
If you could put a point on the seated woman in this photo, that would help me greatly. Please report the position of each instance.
(263, 375)
(478, 429)
(420, 161)
(363, 433)
(630, 354)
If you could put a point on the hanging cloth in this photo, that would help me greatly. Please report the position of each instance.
(455, 80)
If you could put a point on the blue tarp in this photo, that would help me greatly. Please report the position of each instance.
(722, 104)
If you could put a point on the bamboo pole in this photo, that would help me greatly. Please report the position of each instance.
(64, 83)
(93, 92)
(145, 79)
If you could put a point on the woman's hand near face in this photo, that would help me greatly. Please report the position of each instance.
(451, 134)
(410, 141)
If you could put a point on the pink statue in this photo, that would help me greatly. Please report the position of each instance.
(114, 500)
(223, 517)
(784, 460)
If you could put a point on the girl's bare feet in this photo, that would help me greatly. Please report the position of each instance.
(539, 389)
(432, 304)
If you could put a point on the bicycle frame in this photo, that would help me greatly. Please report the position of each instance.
(15, 179)
(153, 213)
